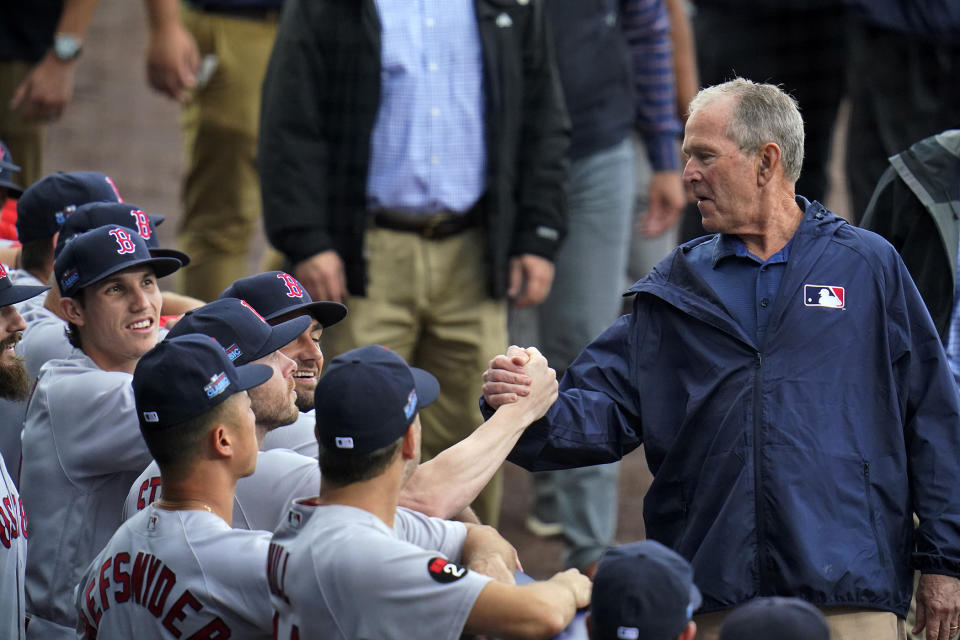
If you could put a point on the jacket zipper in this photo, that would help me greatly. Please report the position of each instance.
(757, 475)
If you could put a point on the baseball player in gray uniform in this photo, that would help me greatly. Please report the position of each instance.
(443, 486)
(40, 211)
(81, 441)
(177, 569)
(350, 564)
(277, 296)
(14, 385)
(261, 500)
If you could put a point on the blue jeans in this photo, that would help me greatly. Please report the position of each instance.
(585, 300)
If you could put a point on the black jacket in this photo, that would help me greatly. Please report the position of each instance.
(916, 206)
(320, 101)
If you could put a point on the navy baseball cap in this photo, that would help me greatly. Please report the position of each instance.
(244, 333)
(182, 378)
(98, 253)
(44, 205)
(7, 169)
(277, 293)
(642, 590)
(96, 214)
(368, 398)
(784, 618)
(13, 293)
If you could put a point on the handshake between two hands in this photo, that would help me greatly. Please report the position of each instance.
(520, 376)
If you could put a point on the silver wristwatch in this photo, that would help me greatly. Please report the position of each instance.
(66, 47)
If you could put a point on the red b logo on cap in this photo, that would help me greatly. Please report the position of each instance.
(293, 287)
(143, 223)
(124, 240)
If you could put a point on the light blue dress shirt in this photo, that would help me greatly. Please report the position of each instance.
(427, 149)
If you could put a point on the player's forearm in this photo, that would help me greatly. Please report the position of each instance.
(445, 485)
(487, 552)
(535, 610)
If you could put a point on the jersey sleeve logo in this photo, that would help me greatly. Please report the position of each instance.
(824, 295)
(444, 571)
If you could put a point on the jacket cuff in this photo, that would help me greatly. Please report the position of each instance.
(936, 564)
(542, 240)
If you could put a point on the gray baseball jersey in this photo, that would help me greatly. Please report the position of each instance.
(44, 339)
(298, 436)
(339, 572)
(13, 557)
(177, 574)
(261, 500)
(81, 450)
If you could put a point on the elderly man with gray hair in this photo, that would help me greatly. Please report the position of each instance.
(791, 434)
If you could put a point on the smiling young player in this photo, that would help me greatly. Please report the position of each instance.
(81, 442)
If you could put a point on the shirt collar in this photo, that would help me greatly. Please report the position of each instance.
(730, 246)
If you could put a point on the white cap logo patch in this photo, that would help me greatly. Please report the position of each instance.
(343, 442)
(151, 416)
(628, 633)
(824, 295)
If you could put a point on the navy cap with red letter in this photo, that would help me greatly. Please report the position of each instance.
(276, 294)
(368, 398)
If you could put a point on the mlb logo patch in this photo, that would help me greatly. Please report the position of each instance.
(150, 416)
(343, 442)
(824, 295)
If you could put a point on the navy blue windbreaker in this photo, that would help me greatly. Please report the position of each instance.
(790, 467)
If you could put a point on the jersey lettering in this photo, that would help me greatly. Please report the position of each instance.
(143, 223)
(11, 526)
(277, 559)
(123, 240)
(294, 290)
(294, 630)
(150, 583)
(154, 484)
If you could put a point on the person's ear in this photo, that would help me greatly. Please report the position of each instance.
(220, 439)
(410, 447)
(71, 311)
(770, 158)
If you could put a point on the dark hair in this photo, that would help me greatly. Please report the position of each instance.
(340, 469)
(73, 331)
(36, 255)
(175, 447)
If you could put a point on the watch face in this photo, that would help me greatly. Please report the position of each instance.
(66, 47)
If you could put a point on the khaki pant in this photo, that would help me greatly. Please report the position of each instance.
(427, 300)
(25, 139)
(221, 188)
(845, 623)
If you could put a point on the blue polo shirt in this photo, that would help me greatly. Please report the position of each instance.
(745, 284)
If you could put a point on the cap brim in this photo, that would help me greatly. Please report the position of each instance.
(427, 386)
(161, 267)
(19, 293)
(12, 187)
(171, 253)
(325, 312)
(253, 375)
(282, 334)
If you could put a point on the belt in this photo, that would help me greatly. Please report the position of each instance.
(432, 227)
(259, 14)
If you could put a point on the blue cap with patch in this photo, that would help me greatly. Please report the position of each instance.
(96, 214)
(101, 252)
(368, 398)
(276, 294)
(642, 591)
(45, 205)
(184, 377)
(244, 333)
